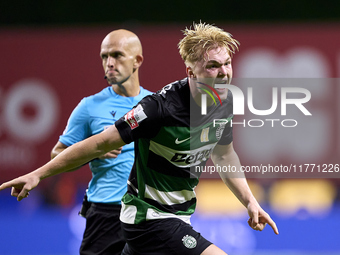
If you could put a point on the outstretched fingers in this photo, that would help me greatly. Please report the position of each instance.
(20, 186)
(5, 185)
(259, 219)
(271, 223)
(262, 222)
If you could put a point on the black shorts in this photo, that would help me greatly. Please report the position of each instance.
(103, 234)
(162, 237)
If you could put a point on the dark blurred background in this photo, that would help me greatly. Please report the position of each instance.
(49, 59)
(66, 13)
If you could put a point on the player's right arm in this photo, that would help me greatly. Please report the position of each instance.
(70, 158)
(59, 147)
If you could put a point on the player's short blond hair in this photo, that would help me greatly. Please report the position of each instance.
(202, 38)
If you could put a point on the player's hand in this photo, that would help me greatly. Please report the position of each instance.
(259, 219)
(21, 186)
(112, 154)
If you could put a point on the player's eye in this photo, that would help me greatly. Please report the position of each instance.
(211, 66)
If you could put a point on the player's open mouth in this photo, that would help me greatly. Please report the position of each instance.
(224, 81)
(220, 90)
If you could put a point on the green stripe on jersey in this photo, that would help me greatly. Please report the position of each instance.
(186, 138)
(172, 137)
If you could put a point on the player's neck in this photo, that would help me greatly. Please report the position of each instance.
(197, 96)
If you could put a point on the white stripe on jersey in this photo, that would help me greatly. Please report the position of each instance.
(169, 198)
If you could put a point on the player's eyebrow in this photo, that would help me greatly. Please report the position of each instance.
(215, 62)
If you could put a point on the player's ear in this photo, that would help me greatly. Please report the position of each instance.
(138, 61)
(189, 72)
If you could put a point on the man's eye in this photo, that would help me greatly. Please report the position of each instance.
(117, 55)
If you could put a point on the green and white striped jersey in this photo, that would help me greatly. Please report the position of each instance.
(171, 138)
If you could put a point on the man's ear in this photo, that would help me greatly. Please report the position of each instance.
(138, 61)
(189, 72)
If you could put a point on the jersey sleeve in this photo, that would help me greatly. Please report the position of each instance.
(143, 121)
(77, 128)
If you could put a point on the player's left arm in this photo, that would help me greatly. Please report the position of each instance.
(225, 155)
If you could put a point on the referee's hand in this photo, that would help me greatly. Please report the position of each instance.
(112, 154)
